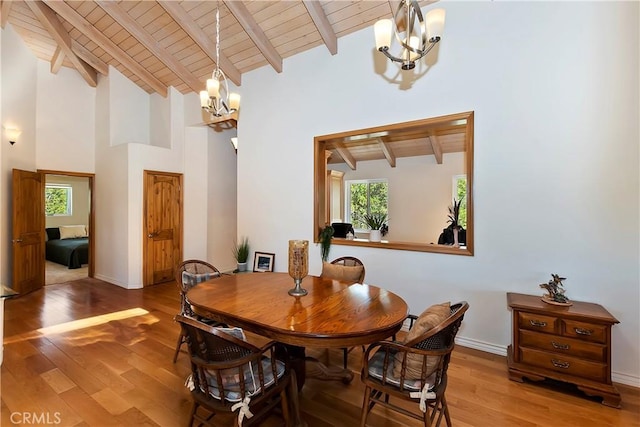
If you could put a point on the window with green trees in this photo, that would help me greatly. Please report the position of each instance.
(57, 200)
(460, 193)
(365, 196)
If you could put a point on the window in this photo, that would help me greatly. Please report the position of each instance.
(364, 197)
(460, 193)
(57, 200)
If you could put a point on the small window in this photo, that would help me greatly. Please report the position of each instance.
(460, 193)
(57, 200)
(365, 196)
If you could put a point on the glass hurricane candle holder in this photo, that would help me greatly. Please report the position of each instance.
(298, 265)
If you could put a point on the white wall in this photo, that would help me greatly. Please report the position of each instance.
(65, 120)
(556, 158)
(18, 110)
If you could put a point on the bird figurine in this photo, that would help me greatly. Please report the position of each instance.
(555, 289)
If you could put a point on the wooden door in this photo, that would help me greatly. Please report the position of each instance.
(28, 231)
(162, 249)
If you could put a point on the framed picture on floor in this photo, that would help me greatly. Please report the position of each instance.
(263, 261)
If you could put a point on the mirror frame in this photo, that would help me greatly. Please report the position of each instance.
(320, 178)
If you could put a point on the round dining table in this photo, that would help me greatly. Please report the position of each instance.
(333, 313)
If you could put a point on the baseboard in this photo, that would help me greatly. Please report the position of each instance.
(616, 377)
(113, 281)
(482, 346)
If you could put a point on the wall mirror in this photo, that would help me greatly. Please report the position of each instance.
(413, 171)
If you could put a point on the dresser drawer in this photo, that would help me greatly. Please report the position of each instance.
(538, 322)
(564, 364)
(563, 346)
(584, 331)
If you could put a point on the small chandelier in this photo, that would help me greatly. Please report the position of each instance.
(217, 100)
(414, 36)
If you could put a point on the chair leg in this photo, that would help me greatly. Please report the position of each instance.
(284, 403)
(365, 407)
(445, 408)
(345, 356)
(178, 345)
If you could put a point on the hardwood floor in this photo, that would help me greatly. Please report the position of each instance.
(88, 353)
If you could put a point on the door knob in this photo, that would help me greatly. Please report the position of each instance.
(17, 240)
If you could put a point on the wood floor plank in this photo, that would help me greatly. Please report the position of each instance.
(119, 371)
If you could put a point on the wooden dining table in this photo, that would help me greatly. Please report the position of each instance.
(333, 314)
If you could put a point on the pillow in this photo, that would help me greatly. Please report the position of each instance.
(53, 233)
(429, 318)
(344, 273)
(72, 231)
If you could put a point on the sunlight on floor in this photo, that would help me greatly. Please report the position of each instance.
(82, 324)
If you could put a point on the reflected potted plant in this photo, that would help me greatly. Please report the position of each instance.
(454, 221)
(377, 223)
(241, 253)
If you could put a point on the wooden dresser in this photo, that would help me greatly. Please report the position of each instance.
(570, 344)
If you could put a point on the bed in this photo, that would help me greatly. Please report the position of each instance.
(68, 251)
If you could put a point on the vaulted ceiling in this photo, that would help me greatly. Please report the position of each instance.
(158, 44)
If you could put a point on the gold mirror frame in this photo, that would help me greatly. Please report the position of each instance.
(425, 128)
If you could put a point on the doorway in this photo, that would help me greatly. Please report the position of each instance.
(69, 222)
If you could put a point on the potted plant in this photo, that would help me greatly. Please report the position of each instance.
(377, 223)
(241, 253)
(325, 241)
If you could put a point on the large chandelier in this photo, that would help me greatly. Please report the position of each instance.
(217, 100)
(415, 34)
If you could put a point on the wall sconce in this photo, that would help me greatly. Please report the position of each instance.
(234, 141)
(12, 134)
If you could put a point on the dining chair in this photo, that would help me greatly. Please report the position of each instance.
(414, 370)
(349, 269)
(230, 375)
(188, 274)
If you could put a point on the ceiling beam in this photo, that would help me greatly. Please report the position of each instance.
(196, 33)
(342, 150)
(388, 152)
(98, 64)
(437, 148)
(256, 34)
(50, 21)
(5, 10)
(57, 60)
(139, 33)
(85, 27)
(322, 24)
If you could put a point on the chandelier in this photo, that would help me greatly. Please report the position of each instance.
(217, 100)
(415, 37)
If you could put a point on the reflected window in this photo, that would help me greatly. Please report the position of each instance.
(365, 196)
(460, 193)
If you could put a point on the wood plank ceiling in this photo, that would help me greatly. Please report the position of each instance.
(157, 44)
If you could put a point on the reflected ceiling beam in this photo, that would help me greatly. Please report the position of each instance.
(56, 60)
(196, 33)
(98, 64)
(256, 34)
(74, 18)
(139, 33)
(388, 152)
(436, 147)
(50, 21)
(5, 10)
(323, 25)
(346, 155)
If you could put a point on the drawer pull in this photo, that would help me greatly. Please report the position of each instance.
(560, 364)
(538, 323)
(582, 331)
(559, 346)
